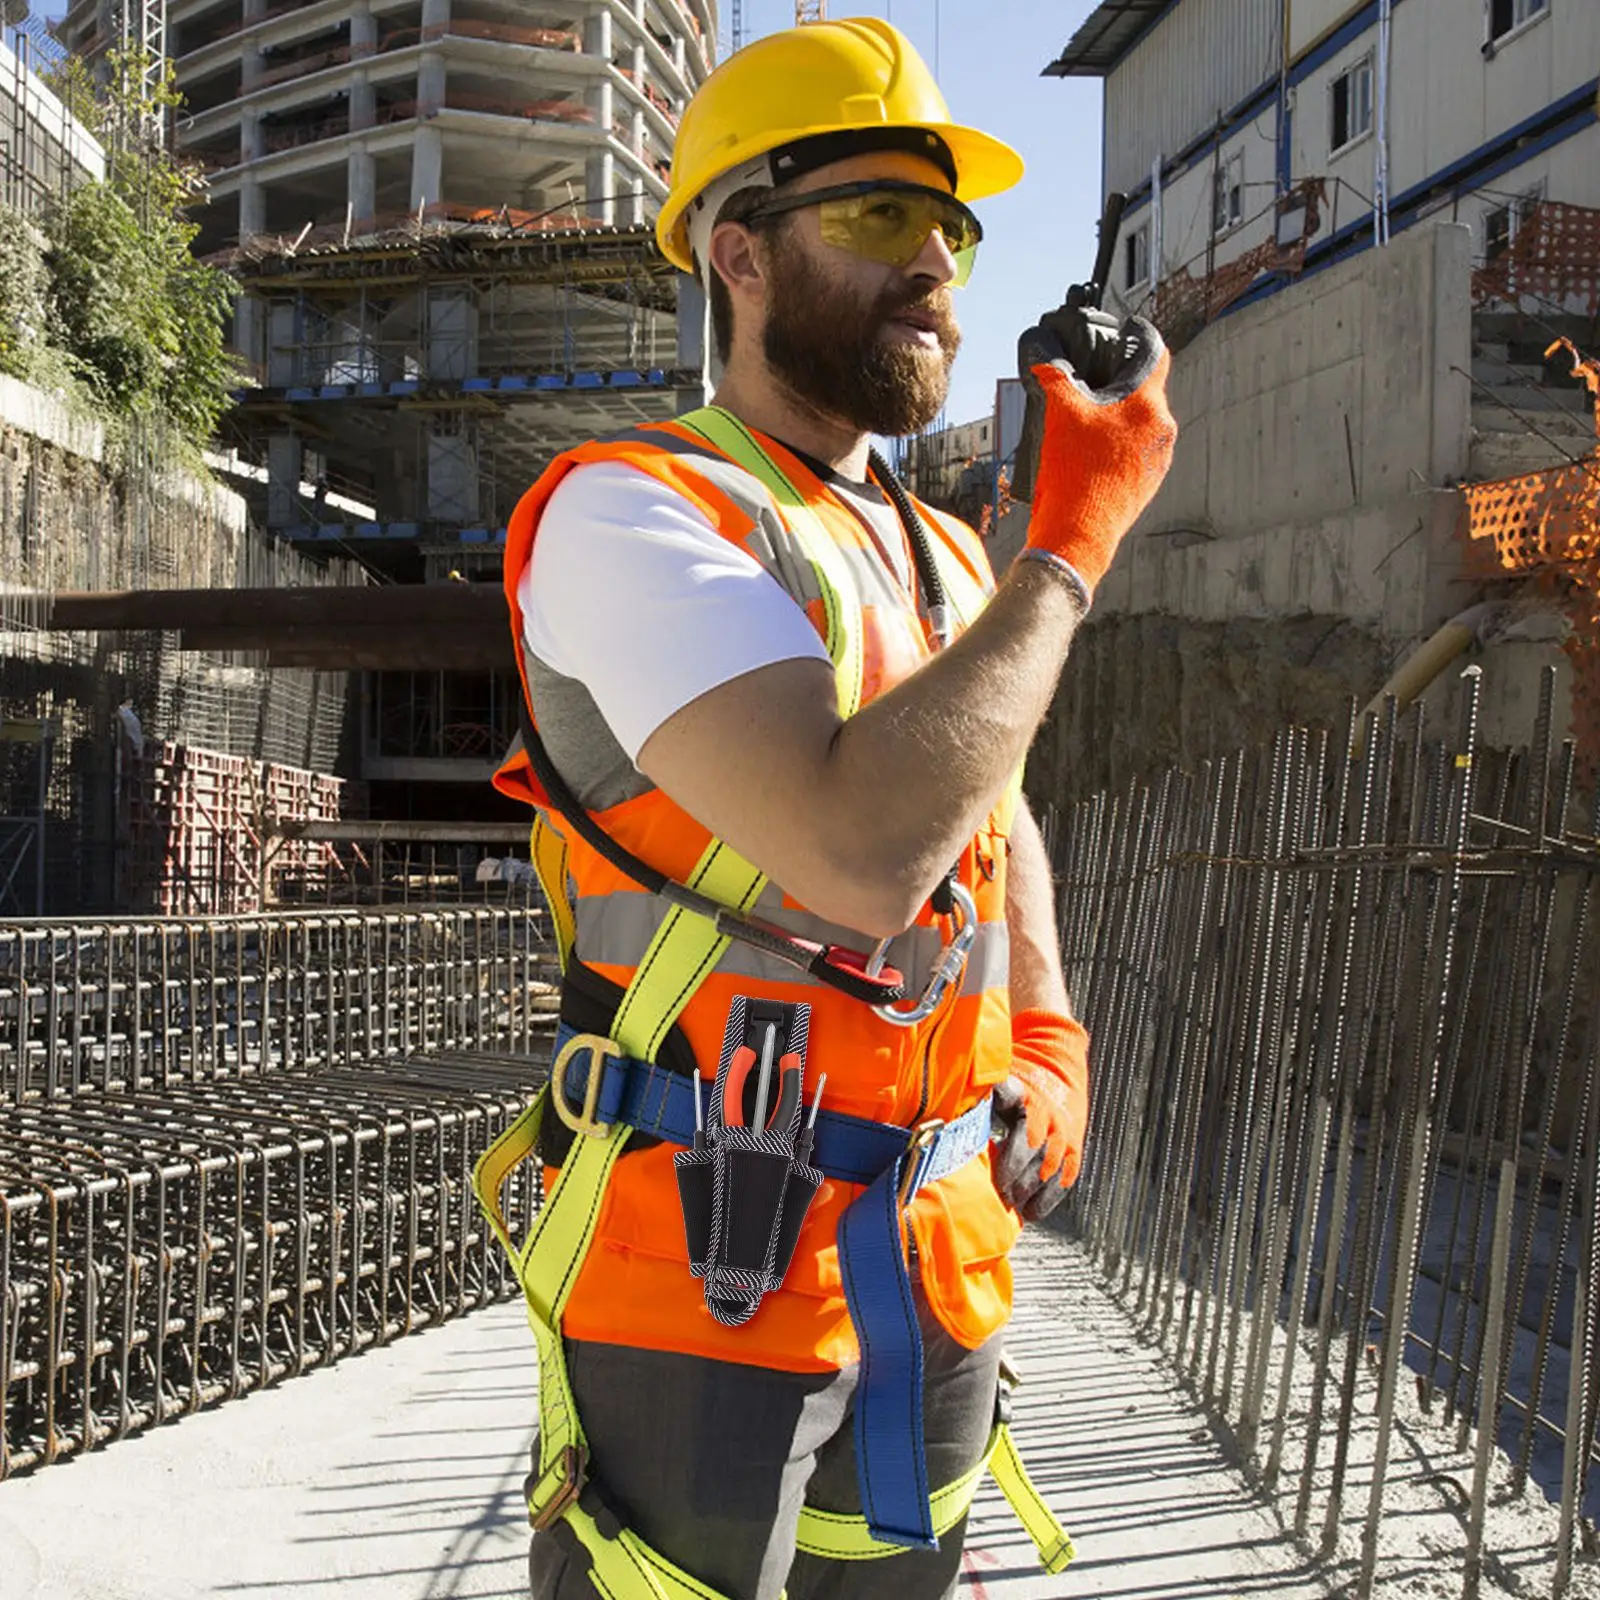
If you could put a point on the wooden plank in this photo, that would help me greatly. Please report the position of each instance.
(447, 607)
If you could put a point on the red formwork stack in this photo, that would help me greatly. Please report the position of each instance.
(194, 826)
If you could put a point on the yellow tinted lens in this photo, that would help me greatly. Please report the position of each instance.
(892, 227)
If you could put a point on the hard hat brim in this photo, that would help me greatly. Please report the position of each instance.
(984, 166)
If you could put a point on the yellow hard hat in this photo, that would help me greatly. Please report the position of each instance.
(859, 79)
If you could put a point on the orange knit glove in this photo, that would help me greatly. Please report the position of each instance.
(1102, 456)
(1041, 1112)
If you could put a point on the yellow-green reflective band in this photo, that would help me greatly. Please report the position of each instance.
(836, 1536)
(626, 1568)
(549, 852)
(841, 618)
(685, 949)
(1052, 1541)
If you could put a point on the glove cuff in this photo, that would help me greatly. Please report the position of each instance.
(1074, 579)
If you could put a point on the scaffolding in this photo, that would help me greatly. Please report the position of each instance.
(416, 379)
(68, 521)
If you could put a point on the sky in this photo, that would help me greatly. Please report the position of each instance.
(1040, 237)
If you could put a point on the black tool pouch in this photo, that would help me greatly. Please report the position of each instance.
(745, 1188)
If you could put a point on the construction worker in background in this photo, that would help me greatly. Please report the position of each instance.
(777, 715)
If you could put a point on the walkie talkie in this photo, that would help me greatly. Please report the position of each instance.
(1064, 335)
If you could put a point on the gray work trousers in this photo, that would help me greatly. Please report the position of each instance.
(709, 1462)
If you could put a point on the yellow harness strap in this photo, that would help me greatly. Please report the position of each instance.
(842, 622)
(549, 851)
(837, 1536)
(686, 947)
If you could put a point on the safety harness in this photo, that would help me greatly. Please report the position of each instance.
(606, 1088)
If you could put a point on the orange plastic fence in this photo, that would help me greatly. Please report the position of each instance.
(1182, 304)
(1546, 526)
(1555, 258)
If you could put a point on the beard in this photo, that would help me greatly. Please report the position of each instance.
(825, 343)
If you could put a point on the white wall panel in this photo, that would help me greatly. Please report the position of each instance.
(1311, 20)
(1446, 98)
(1198, 62)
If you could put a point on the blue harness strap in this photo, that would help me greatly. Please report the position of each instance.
(893, 1163)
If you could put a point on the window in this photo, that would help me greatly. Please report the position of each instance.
(1136, 256)
(1350, 105)
(1507, 15)
(1503, 223)
(1227, 194)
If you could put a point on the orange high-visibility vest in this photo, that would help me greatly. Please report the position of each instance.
(635, 1287)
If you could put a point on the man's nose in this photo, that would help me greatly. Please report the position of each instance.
(934, 260)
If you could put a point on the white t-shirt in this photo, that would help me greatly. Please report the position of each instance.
(632, 592)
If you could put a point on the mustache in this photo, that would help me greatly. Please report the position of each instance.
(938, 303)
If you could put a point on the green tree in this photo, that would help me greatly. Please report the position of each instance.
(24, 296)
(138, 317)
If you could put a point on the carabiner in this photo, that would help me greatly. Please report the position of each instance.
(947, 970)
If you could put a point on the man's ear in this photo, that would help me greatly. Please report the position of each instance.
(738, 259)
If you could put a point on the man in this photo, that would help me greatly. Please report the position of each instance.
(759, 676)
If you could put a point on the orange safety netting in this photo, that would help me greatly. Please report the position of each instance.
(1555, 257)
(1182, 304)
(1545, 526)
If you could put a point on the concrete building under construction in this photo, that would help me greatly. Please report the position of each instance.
(342, 111)
(440, 215)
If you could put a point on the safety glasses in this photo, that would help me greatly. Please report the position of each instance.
(886, 220)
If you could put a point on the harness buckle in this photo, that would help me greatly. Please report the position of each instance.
(572, 1468)
(600, 1051)
(916, 1156)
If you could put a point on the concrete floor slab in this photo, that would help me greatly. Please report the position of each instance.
(398, 1475)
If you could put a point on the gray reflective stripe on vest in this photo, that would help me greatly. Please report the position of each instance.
(616, 929)
(769, 542)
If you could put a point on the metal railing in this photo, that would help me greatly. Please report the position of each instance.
(1345, 1126)
(235, 1149)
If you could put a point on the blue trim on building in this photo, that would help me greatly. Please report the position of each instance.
(1253, 104)
(1565, 119)
(1200, 149)
(1346, 33)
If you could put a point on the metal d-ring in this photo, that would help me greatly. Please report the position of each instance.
(948, 969)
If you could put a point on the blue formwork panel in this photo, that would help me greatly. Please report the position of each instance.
(550, 380)
(658, 377)
(476, 385)
(368, 530)
(300, 394)
(368, 390)
(404, 386)
(473, 535)
(627, 380)
(333, 391)
(400, 530)
(511, 384)
(588, 380)
(330, 530)
(500, 535)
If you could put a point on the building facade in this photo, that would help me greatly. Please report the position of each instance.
(1361, 227)
(339, 113)
(1248, 127)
